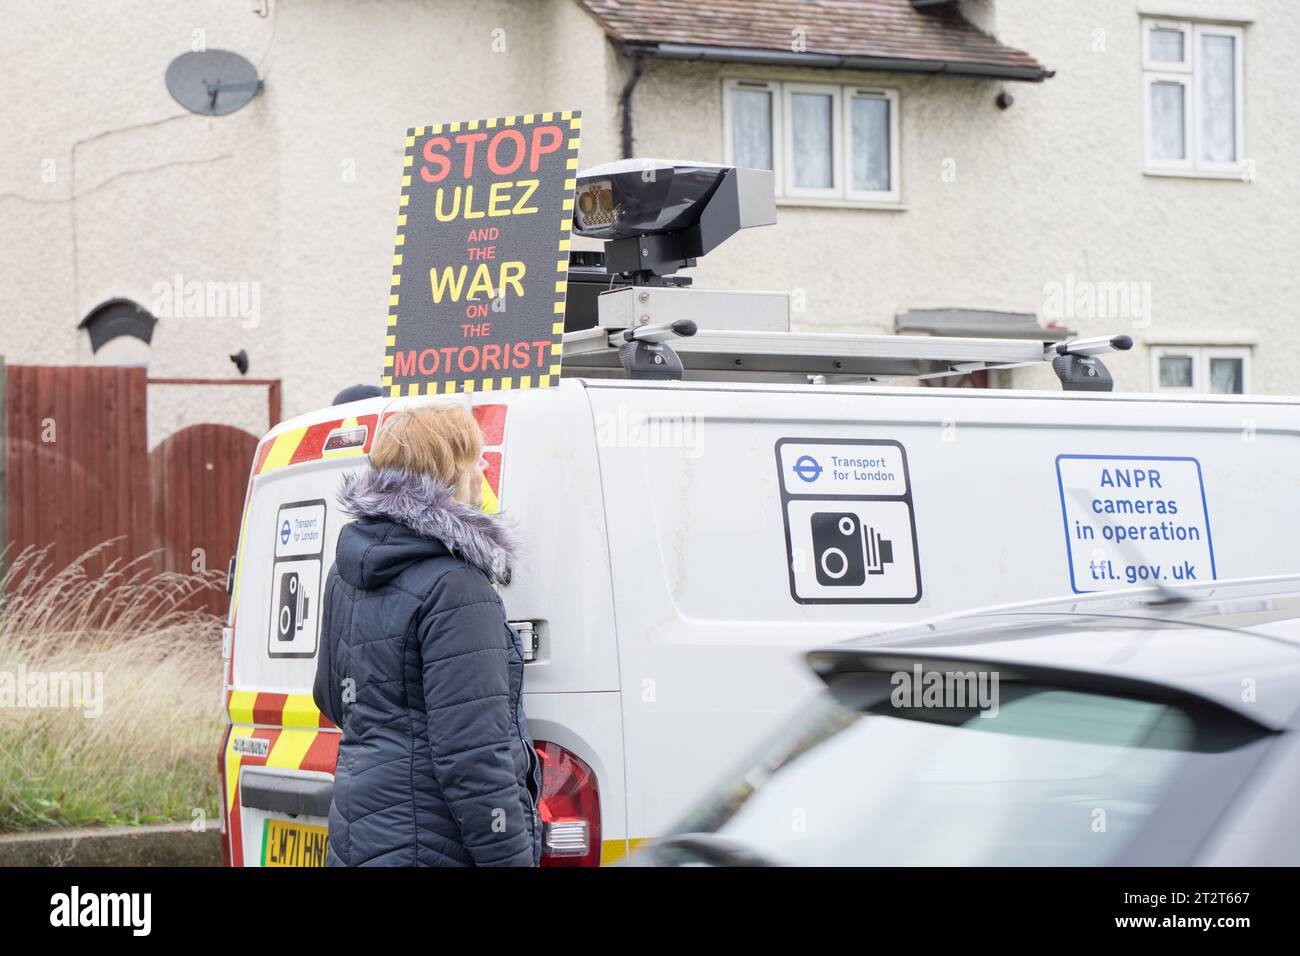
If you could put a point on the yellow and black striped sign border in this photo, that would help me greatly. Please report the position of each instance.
(501, 382)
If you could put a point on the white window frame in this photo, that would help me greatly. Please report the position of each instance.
(1200, 356)
(1154, 164)
(842, 95)
(1174, 352)
(778, 129)
(838, 146)
(892, 194)
(1187, 73)
(1238, 35)
(1182, 26)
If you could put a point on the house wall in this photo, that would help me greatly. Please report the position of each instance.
(1050, 191)
(111, 189)
(293, 198)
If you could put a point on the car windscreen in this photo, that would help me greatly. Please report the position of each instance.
(1050, 775)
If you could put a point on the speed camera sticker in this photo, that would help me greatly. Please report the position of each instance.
(296, 579)
(850, 531)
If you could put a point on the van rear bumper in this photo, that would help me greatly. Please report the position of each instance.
(277, 793)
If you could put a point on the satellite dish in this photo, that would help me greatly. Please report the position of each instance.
(212, 82)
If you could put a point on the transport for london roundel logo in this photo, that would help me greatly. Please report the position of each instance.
(807, 468)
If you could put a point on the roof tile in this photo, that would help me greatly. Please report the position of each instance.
(884, 29)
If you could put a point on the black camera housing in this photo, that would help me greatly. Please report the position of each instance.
(658, 216)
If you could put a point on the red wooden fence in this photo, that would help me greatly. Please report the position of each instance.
(78, 472)
(77, 461)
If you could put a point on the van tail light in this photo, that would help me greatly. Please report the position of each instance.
(570, 808)
(226, 836)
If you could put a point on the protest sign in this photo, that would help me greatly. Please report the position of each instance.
(481, 258)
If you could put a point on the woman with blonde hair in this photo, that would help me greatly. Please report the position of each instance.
(418, 665)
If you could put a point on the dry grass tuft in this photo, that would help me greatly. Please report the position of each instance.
(124, 645)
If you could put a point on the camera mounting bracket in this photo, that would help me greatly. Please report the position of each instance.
(646, 354)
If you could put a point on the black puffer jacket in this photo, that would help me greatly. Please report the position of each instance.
(419, 668)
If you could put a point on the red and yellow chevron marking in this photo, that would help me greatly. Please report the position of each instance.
(300, 738)
(492, 483)
(279, 710)
(308, 444)
(492, 423)
(290, 749)
(612, 851)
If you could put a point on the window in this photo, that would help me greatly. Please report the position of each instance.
(1200, 369)
(963, 790)
(823, 142)
(1192, 97)
(752, 108)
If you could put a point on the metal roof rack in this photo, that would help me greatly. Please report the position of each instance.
(838, 357)
(660, 333)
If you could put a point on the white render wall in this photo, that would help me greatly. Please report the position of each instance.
(293, 198)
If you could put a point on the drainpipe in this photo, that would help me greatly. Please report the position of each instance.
(625, 102)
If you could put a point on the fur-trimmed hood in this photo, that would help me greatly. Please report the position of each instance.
(425, 506)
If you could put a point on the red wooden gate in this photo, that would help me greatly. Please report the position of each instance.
(200, 475)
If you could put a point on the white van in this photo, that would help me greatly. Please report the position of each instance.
(685, 540)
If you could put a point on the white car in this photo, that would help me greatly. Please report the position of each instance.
(1160, 728)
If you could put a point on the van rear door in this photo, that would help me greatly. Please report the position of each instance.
(278, 759)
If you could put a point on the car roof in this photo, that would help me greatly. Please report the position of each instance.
(1233, 643)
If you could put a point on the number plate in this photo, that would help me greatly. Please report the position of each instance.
(293, 844)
